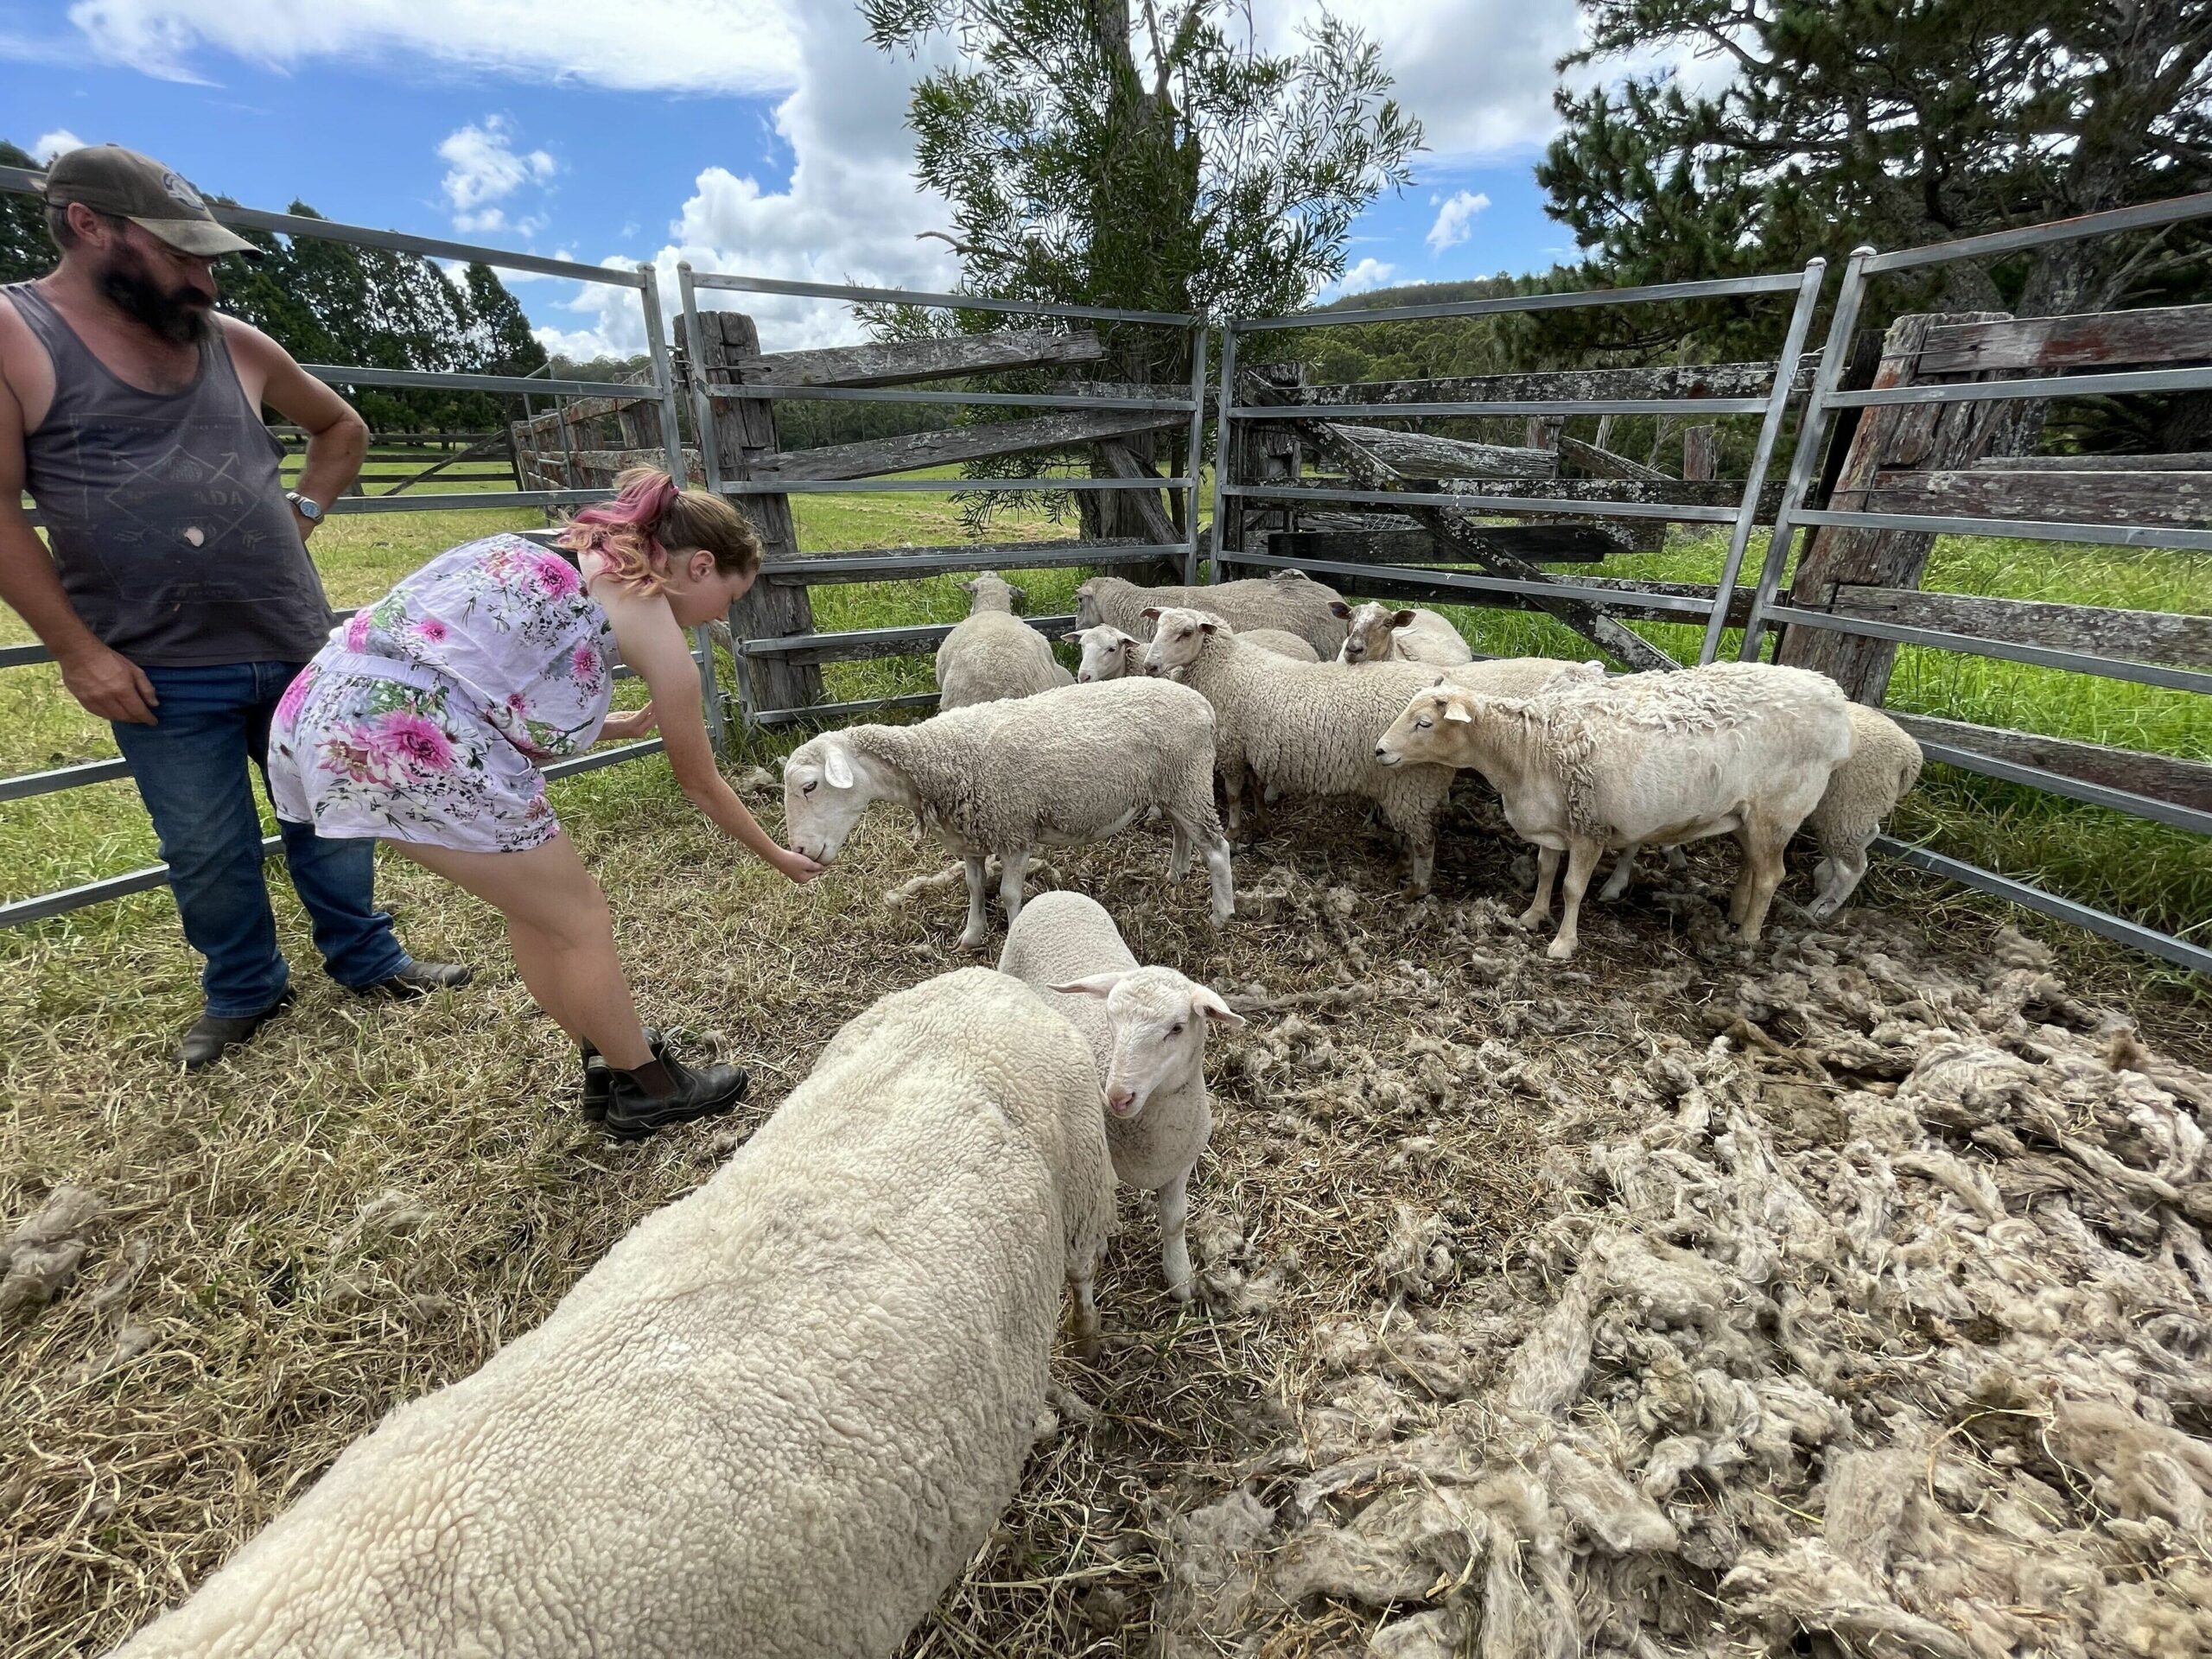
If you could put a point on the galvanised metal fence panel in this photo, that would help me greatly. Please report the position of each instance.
(642, 279)
(820, 647)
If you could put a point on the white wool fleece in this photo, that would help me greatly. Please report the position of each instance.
(775, 1422)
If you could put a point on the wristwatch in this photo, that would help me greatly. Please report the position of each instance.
(306, 506)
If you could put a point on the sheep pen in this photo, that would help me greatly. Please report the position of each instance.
(1684, 1299)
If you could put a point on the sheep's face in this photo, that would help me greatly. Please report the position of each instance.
(1369, 628)
(1425, 734)
(1107, 653)
(1160, 1021)
(1178, 637)
(825, 792)
(1086, 604)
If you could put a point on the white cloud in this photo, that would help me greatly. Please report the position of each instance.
(850, 213)
(1455, 219)
(1478, 73)
(483, 169)
(1368, 273)
(48, 145)
(692, 45)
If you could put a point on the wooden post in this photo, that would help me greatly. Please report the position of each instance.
(1544, 431)
(1889, 438)
(744, 434)
(1697, 452)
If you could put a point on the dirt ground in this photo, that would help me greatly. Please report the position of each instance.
(1842, 1297)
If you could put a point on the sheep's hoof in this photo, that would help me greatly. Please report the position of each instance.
(1181, 1293)
(1559, 950)
(972, 939)
(1528, 918)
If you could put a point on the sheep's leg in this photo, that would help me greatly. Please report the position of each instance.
(1837, 879)
(1420, 859)
(1763, 873)
(1084, 1321)
(977, 930)
(1206, 834)
(1173, 1202)
(1178, 861)
(1540, 905)
(1232, 796)
(1582, 858)
(1623, 871)
(1015, 865)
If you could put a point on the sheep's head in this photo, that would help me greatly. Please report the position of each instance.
(1178, 637)
(1160, 1021)
(1368, 629)
(990, 593)
(1086, 604)
(825, 791)
(1107, 653)
(1426, 734)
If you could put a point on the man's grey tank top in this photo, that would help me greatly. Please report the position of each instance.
(165, 512)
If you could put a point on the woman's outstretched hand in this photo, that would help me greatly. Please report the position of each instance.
(797, 866)
(639, 722)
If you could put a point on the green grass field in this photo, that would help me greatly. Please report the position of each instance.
(2154, 874)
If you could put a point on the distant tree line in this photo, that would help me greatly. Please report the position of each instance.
(334, 302)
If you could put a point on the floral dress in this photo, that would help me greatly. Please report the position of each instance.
(428, 715)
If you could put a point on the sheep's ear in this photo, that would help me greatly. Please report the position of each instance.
(1401, 618)
(1457, 711)
(1205, 1002)
(1019, 595)
(1151, 612)
(1338, 609)
(1072, 637)
(836, 767)
(1208, 626)
(1095, 985)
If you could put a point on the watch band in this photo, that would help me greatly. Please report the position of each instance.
(306, 506)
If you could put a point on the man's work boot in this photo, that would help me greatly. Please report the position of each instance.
(418, 979)
(666, 1092)
(213, 1035)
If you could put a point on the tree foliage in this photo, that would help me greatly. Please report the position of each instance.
(334, 302)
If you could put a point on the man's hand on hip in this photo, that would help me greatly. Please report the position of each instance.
(109, 685)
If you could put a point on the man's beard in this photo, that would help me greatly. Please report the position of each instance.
(178, 314)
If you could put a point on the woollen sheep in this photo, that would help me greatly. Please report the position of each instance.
(1110, 654)
(994, 654)
(1730, 747)
(1378, 633)
(1006, 778)
(776, 1421)
(1147, 1027)
(1288, 600)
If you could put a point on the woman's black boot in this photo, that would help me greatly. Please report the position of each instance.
(598, 1076)
(665, 1092)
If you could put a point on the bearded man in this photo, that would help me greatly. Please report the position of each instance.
(178, 598)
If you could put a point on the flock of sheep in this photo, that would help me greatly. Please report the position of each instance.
(780, 1416)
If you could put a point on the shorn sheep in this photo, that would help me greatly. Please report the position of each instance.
(1288, 601)
(776, 1421)
(1885, 765)
(1377, 633)
(1110, 654)
(1740, 748)
(994, 654)
(1075, 766)
(1310, 728)
(1147, 1027)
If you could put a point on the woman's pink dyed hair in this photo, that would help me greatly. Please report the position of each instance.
(649, 517)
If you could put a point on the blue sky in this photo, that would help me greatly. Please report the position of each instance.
(756, 135)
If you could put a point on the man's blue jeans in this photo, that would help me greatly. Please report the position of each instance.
(191, 769)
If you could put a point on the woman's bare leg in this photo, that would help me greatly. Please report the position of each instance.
(563, 936)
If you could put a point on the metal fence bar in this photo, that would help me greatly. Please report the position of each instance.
(2074, 662)
(1503, 504)
(2058, 783)
(924, 486)
(842, 710)
(30, 182)
(672, 437)
(2042, 386)
(1469, 581)
(29, 783)
(2132, 934)
(1739, 539)
(2026, 530)
(346, 375)
(1194, 463)
(2144, 216)
(1719, 288)
(994, 399)
(1224, 445)
(952, 302)
(1805, 458)
(463, 501)
(1511, 406)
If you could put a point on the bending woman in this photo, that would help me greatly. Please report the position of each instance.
(426, 720)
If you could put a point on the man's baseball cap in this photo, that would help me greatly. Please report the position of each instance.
(109, 178)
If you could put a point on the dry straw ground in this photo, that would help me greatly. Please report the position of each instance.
(372, 1199)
